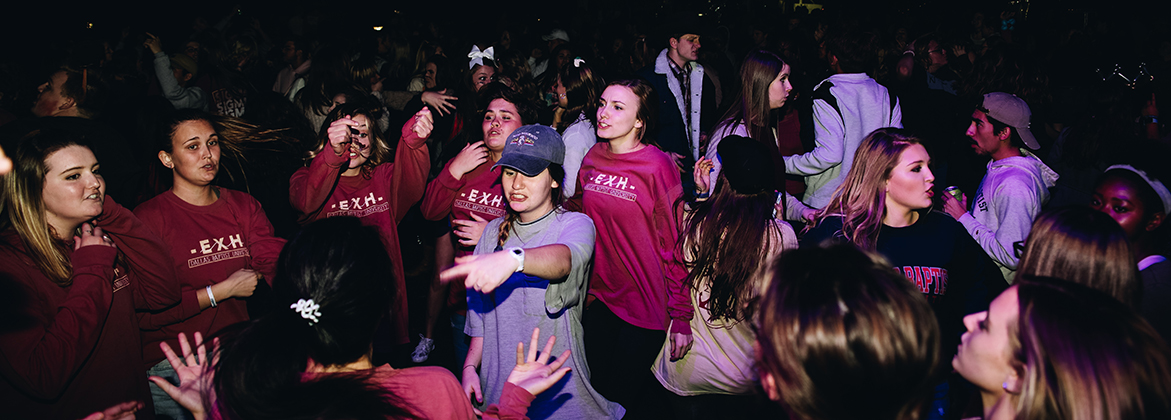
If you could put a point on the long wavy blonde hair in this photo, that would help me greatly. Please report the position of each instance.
(861, 200)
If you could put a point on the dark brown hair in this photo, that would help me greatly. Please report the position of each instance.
(845, 336)
(727, 239)
(1087, 356)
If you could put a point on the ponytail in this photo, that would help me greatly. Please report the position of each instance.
(341, 266)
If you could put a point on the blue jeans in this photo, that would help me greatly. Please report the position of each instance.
(459, 338)
(165, 407)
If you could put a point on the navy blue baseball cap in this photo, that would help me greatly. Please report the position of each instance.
(531, 148)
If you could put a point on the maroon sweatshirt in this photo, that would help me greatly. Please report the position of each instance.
(207, 244)
(380, 200)
(66, 352)
(638, 272)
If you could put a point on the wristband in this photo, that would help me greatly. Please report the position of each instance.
(1150, 119)
(519, 255)
(705, 194)
(211, 297)
(469, 366)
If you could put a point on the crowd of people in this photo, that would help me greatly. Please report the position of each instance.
(816, 216)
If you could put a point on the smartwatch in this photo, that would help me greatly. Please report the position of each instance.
(519, 255)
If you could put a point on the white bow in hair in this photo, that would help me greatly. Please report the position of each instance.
(577, 62)
(478, 56)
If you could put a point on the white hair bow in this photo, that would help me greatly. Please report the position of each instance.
(478, 56)
(577, 62)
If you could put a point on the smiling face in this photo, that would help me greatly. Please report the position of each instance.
(988, 142)
(910, 182)
(195, 154)
(1119, 198)
(985, 357)
(500, 120)
(73, 190)
(778, 90)
(618, 114)
(50, 99)
(531, 197)
(482, 76)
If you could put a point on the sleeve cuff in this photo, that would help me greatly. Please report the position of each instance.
(447, 181)
(680, 326)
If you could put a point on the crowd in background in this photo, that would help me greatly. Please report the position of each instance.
(716, 210)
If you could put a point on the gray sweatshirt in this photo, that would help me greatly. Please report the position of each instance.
(1002, 212)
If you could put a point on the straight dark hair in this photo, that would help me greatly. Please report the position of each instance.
(343, 267)
(844, 336)
(728, 238)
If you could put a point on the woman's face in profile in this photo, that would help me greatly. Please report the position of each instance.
(984, 356)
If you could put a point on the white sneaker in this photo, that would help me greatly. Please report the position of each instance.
(423, 349)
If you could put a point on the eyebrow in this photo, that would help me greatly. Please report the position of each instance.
(73, 168)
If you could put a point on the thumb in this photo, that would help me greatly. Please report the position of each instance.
(477, 218)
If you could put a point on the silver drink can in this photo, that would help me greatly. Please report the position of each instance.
(955, 192)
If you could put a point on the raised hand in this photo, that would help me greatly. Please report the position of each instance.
(440, 101)
(424, 123)
(533, 372)
(195, 374)
(468, 159)
(339, 134)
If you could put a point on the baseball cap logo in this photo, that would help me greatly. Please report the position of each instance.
(523, 139)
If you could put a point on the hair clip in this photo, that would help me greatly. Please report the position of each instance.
(307, 309)
(577, 62)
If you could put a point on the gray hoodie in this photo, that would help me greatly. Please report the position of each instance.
(1002, 212)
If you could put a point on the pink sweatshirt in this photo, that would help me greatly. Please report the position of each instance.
(380, 200)
(207, 244)
(478, 192)
(638, 272)
(66, 352)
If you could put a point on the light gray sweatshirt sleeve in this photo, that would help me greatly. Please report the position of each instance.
(578, 234)
(180, 97)
(829, 149)
(1014, 204)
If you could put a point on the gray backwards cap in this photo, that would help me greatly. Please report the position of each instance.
(1011, 110)
(531, 148)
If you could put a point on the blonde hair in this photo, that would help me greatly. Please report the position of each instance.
(24, 207)
(861, 199)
